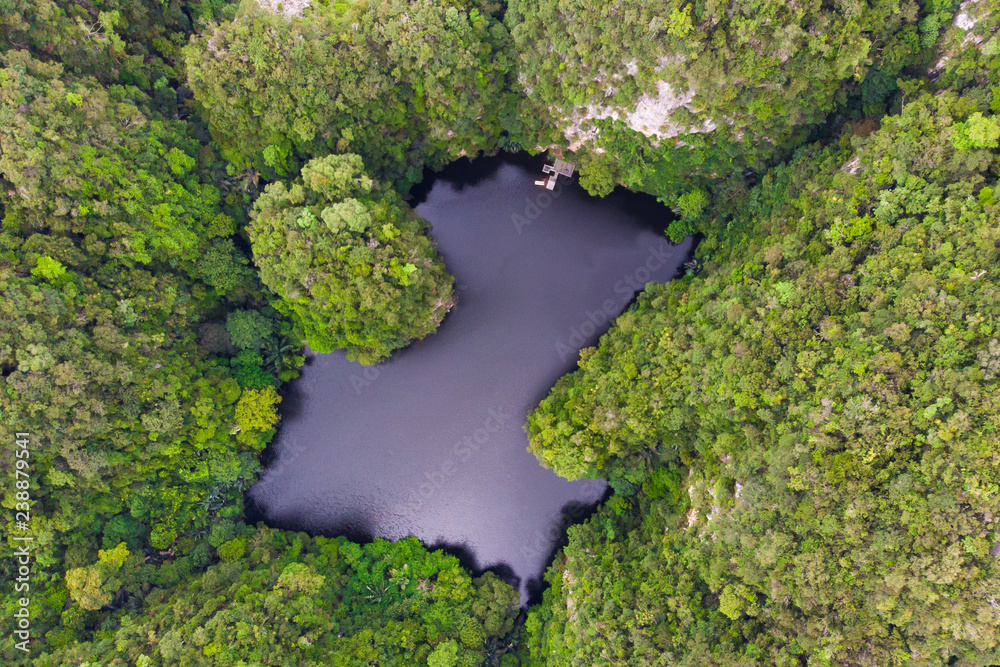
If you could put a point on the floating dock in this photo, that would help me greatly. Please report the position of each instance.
(560, 168)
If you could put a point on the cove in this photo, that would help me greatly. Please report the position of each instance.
(432, 444)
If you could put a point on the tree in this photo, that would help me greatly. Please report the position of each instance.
(257, 409)
(48, 268)
(800, 440)
(112, 209)
(354, 77)
(293, 599)
(674, 94)
(94, 586)
(598, 176)
(225, 269)
(445, 655)
(350, 260)
(248, 329)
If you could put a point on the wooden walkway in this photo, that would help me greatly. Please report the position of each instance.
(560, 168)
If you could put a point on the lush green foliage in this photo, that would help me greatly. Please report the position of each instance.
(108, 212)
(351, 261)
(129, 42)
(745, 78)
(401, 83)
(279, 599)
(100, 338)
(140, 351)
(804, 441)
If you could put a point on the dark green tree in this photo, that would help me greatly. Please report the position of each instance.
(282, 598)
(801, 441)
(403, 84)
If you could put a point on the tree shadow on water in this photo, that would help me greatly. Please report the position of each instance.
(467, 559)
(465, 172)
(572, 513)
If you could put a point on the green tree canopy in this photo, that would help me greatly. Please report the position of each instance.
(350, 260)
(309, 601)
(803, 441)
(107, 213)
(401, 83)
(677, 91)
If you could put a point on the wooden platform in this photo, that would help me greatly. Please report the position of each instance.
(560, 168)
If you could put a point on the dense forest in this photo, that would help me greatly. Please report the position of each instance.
(801, 438)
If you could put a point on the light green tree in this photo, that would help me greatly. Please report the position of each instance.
(350, 259)
(94, 586)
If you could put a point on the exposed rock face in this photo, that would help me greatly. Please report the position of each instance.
(568, 581)
(965, 20)
(652, 115)
(969, 14)
(284, 7)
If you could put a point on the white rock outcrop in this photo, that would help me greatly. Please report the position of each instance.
(651, 115)
(284, 7)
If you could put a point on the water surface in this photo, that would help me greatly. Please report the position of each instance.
(432, 443)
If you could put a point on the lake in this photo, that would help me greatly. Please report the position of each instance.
(432, 443)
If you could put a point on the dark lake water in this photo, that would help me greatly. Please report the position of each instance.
(432, 443)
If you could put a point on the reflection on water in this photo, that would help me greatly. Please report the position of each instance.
(432, 443)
